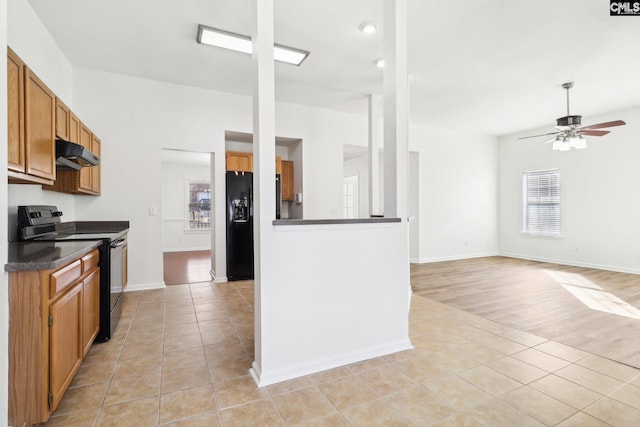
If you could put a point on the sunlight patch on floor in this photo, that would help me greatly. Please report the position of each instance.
(592, 295)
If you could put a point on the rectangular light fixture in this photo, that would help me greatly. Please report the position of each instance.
(240, 43)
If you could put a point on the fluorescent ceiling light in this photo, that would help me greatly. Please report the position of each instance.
(240, 43)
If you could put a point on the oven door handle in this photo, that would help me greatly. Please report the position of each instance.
(118, 243)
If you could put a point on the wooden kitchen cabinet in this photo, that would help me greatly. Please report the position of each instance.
(31, 144)
(53, 320)
(65, 342)
(90, 310)
(63, 120)
(239, 161)
(74, 128)
(15, 104)
(286, 180)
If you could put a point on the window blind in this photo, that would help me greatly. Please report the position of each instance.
(541, 203)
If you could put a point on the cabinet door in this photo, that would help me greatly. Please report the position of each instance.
(90, 310)
(62, 120)
(278, 165)
(239, 161)
(40, 147)
(65, 348)
(96, 148)
(85, 173)
(74, 128)
(15, 99)
(287, 180)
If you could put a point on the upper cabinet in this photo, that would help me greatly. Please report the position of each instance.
(239, 161)
(15, 95)
(287, 180)
(63, 115)
(31, 125)
(35, 118)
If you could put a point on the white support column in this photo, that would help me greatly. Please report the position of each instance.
(396, 106)
(375, 142)
(264, 154)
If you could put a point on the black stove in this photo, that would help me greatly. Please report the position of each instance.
(42, 222)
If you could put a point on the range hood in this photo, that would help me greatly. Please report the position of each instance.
(72, 156)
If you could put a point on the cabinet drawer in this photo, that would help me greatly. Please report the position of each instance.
(61, 279)
(90, 261)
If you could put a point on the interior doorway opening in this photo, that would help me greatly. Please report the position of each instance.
(187, 216)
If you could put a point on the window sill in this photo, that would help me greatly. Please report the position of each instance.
(543, 236)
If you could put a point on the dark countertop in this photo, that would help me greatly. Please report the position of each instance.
(333, 221)
(34, 255)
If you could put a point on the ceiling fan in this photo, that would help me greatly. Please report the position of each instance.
(570, 132)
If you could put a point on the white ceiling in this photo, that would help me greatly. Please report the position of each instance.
(487, 66)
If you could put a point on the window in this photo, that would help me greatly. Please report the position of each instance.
(199, 205)
(541, 203)
(350, 196)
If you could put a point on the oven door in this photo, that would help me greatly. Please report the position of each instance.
(117, 265)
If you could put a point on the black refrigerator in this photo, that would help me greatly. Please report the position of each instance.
(240, 224)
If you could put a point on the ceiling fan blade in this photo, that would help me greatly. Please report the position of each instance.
(604, 125)
(550, 140)
(590, 132)
(542, 134)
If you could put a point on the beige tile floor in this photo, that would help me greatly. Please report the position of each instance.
(180, 357)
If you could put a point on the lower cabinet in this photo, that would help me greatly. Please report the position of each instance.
(53, 320)
(90, 310)
(65, 348)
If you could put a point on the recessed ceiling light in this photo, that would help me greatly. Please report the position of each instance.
(368, 27)
(379, 63)
(241, 43)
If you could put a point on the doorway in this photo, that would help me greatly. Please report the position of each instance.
(187, 213)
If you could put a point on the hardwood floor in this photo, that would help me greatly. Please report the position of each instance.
(186, 267)
(594, 310)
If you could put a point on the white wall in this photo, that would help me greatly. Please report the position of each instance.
(175, 237)
(458, 193)
(599, 198)
(4, 277)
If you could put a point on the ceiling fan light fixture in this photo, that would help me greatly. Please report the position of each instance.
(243, 44)
(577, 142)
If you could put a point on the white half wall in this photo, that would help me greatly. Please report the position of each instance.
(599, 199)
(319, 315)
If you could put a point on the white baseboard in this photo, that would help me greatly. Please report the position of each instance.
(196, 249)
(573, 263)
(278, 375)
(452, 257)
(220, 279)
(144, 286)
